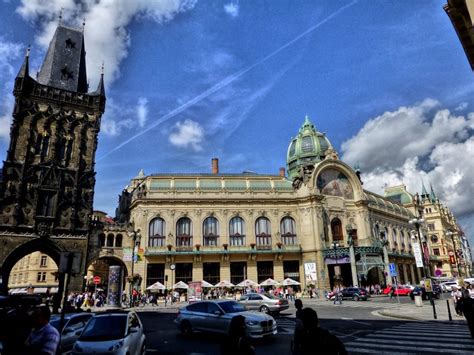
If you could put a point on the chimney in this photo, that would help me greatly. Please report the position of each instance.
(215, 165)
(282, 172)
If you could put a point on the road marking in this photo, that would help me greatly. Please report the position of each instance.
(356, 321)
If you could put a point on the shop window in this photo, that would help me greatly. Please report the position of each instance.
(264, 270)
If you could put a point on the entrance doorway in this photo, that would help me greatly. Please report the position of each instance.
(100, 267)
(345, 275)
(375, 276)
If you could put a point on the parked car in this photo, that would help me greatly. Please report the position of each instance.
(116, 332)
(355, 293)
(448, 286)
(424, 295)
(399, 291)
(265, 303)
(215, 317)
(72, 327)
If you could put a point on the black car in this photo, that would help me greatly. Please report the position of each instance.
(355, 293)
(424, 295)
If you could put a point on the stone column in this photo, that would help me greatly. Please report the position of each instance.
(114, 291)
(252, 268)
(225, 270)
(412, 273)
(355, 280)
(278, 273)
(198, 269)
(405, 272)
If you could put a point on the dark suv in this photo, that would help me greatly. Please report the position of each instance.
(355, 293)
(417, 291)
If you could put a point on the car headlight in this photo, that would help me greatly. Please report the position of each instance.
(251, 322)
(116, 346)
(77, 348)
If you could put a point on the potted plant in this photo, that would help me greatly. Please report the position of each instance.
(198, 246)
(134, 279)
(225, 246)
(279, 244)
(169, 246)
(252, 245)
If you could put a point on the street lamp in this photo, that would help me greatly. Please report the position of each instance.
(386, 261)
(136, 236)
(334, 246)
(451, 234)
(417, 222)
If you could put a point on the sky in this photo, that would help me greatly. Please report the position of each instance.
(188, 80)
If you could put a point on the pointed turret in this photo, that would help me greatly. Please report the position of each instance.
(25, 67)
(101, 87)
(64, 66)
(424, 192)
(432, 194)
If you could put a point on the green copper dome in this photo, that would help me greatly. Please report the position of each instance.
(308, 147)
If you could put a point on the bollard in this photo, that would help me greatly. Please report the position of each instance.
(449, 310)
(418, 301)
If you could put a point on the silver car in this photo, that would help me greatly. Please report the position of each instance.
(265, 303)
(215, 317)
(72, 327)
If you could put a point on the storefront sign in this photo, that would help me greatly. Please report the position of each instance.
(194, 291)
(452, 259)
(418, 256)
(333, 261)
(310, 272)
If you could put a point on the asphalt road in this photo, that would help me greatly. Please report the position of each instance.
(348, 321)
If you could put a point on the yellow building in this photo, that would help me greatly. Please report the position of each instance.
(316, 224)
(35, 273)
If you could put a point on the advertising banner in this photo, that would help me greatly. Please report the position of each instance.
(418, 256)
(310, 272)
(194, 291)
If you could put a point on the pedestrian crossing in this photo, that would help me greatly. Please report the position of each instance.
(416, 337)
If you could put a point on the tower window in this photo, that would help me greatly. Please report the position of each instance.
(66, 74)
(70, 44)
(46, 201)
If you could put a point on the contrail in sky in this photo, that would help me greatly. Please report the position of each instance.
(228, 80)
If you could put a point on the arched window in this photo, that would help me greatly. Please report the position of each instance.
(118, 240)
(237, 231)
(288, 231)
(403, 239)
(110, 240)
(395, 239)
(184, 236)
(336, 229)
(376, 231)
(263, 232)
(101, 240)
(210, 231)
(156, 233)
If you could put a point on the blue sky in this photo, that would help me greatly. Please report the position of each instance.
(189, 80)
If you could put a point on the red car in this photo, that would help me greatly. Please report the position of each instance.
(400, 291)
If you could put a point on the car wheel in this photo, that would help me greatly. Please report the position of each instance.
(186, 328)
(264, 309)
(355, 298)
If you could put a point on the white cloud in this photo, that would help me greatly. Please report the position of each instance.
(142, 111)
(415, 144)
(461, 106)
(106, 33)
(9, 51)
(232, 8)
(188, 134)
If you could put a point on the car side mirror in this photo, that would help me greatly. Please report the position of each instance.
(133, 330)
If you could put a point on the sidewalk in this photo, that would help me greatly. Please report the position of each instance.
(411, 312)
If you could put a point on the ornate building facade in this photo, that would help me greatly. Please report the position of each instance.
(48, 178)
(318, 225)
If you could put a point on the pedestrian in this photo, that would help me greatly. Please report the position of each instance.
(457, 295)
(237, 341)
(312, 339)
(392, 291)
(466, 306)
(299, 309)
(44, 338)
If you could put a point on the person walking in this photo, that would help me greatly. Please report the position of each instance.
(44, 338)
(312, 339)
(237, 342)
(466, 306)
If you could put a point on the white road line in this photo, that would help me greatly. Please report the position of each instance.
(397, 348)
(356, 321)
(432, 334)
(423, 342)
(415, 337)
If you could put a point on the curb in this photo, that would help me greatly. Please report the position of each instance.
(398, 316)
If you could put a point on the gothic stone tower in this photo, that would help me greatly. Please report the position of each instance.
(48, 180)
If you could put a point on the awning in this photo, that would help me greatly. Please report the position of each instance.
(40, 290)
(53, 290)
(18, 291)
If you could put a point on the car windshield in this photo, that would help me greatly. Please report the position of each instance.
(232, 307)
(104, 328)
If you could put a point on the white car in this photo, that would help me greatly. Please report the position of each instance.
(448, 286)
(115, 332)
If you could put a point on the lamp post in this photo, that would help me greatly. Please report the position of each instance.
(386, 260)
(451, 234)
(334, 246)
(136, 236)
(417, 222)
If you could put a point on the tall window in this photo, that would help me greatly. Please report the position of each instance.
(262, 231)
(237, 231)
(44, 261)
(41, 277)
(46, 201)
(156, 233)
(395, 239)
(118, 240)
(110, 240)
(210, 231)
(307, 144)
(336, 229)
(42, 145)
(184, 232)
(101, 240)
(288, 231)
(65, 150)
